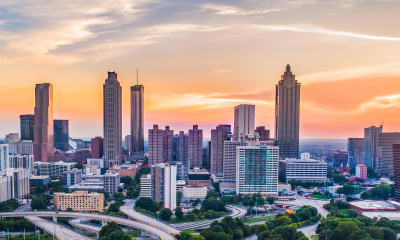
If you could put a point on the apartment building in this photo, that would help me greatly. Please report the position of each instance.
(80, 201)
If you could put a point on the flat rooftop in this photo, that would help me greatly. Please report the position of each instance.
(378, 215)
(302, 161)
(374, 205)
(198, 171)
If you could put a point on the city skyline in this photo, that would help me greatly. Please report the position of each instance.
(199, 81)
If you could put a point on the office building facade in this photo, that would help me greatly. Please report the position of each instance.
(195, 147)
(12, 137)
(257, 170)
(137, 118)
(263, 133)
(24, 147)
(53, 169)
(244, 120)
(168, 144)
(71, 177)
(218, 135)
(27, 123)
(61, 135)
(19, 182)
(5, 186)
(355, 148)
(385, 151)
(182, 147)
(112, 109)
(155, 145)
(97, 147)
(370, 153)
(287, 115)
(396, 171)
(305, 170)
(4, 156)
(21, 161)
(80, 201)
(128, 143)
(163, 184)
(43, 143)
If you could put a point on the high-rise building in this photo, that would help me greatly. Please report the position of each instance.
(112, 109)
(128, 143)
(218, 135)
(385, 151)
(355, 148)
(287, 115)
(5, 186)
(163, 184)
(21, 161)
(43, 143)
(195, 147)
(168, 144)
(244, 120)
(155, 145)
(370, 153)
(263, 133)
(257, 170)
(24, 147)
(61, 135)
(396, 171)
(12, 137)
(19, 182)
(4, 157)
(137, 118)
(182, 147)
(26, 124)
(97, 147)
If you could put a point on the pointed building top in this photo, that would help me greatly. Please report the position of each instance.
(288, 68)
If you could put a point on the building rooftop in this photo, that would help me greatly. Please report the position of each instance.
(181, 182)
(38, 177)
(375, 205)
(124, 166)
(378, 215)
(294, 160)
(55, 163)
(198, 171)
(79, 193)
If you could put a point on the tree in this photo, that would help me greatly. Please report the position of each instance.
(114, 207)
(38, 203)
(178, 198)
(109, 228)
(179, 213)
(146, 203)
(338, 178)
(166, 214)
(212, 194)
(126, 180)
(118, 196)
(283, 221)
(260, 201)
(270, 200)
(345, 229)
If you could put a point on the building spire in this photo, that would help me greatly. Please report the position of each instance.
(288, 68)
(137, 76)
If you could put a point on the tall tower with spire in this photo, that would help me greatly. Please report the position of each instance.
(287, 115)
(137, 117)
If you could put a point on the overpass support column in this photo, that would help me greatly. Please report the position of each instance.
(103, 223)
(54, 219)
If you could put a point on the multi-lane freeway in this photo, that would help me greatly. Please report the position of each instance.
(85, 226)
(122, 221)
(52, 228)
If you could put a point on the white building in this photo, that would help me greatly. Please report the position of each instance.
(12, 137)
(21, 161)
(257, 170)
(180, 184)
(19, 182)
(96, 161)
(163, 184)
(193, 193)
(303, 170)
(53, 169)
(244, 120)
(305, 156)
(4, 158)
(145, 186)
(24, 147)
(72, 177)
(5, 186)
(111, 181)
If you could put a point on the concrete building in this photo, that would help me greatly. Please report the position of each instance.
(38, 181)
(112, 99)
(385, 151)
(305, 170)
(218, 135)
(181, 169)
(111, 181)
(80, 201)
(19, 182)
(72, 177)
(21, 161)
(370, 153)
(198, 177)
(27, 122)
(137, 118)
(126, 170)
(263, 133)
(355, 148)
(180, 184)
(12, 137)
(361, 171)
(396, 171)
(190, 193)
(91, 185)
(81, 156)
(128, 143)
(195, 147)
(5, 186)
(163, 184)
(97, 147)
(91, 169)
(61, 135)
(156, 145)
(375, 206)
(99, 162)
(24, 147)
(244, 120)
(257, 170)
(145, 186)
(168, 142)
(43, 143)
(53, 169)
(287, 115)
(182, 147)
(4, 157)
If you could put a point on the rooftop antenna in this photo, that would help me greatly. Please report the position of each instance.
(137, 76)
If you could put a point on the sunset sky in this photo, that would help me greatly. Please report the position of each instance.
(198, 59)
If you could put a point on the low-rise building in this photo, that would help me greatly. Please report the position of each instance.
(91, 169)
(53, 169)
(198, 177)
(305, 170)
(99, 162)
(80, 201)
(361, 171)
(374, 206)
(180, 184)
(193, 193)
(38, 181)
(126, 170)
(72, 177)
(145, 186)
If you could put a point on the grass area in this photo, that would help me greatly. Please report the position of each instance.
(250, 220)
(320, 196)
(314, 237)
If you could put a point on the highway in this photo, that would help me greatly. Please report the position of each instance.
(122, 221)
(78, 224)
(61, 233)
(132, 213)
(237, 212)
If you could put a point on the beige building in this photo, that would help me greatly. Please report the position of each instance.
(194, 193)
(126, 170)
(80, 201)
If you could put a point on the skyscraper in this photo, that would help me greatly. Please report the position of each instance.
(43, 143)
(385, 151)
(195, 147)
(4, 156)
(155, 145)
(168, 144)
(112, 100)
(263, 133)
(97, 147)
(61, 135)
(355, 147)
(244, 120)
(137, 118)
(371, 146)
(218, 136)
(287, 115)
(182, 147)
(26, 124)
(396, 171)
(128, 143)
